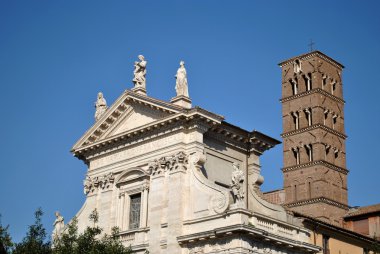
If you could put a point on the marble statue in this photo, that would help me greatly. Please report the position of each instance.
(181, 81)
(100, 106)
(58, 225)
(140, 72)
(237, 185)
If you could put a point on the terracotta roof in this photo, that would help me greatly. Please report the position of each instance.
(333, 227)
(363, 210)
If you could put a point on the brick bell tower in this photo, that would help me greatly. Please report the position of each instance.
(315, 174)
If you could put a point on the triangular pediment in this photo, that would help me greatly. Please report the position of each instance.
(130, 111)
(136, 116)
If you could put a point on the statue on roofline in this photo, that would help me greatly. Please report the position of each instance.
(100, 106)
(181, 81)
(139, 73)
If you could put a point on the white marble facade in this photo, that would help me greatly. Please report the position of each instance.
(163, 174)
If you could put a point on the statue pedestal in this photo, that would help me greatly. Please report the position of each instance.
(139, 90)
(182, 101)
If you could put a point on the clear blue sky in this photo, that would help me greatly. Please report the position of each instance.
(56, 55)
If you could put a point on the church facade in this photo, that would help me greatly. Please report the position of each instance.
(180, 179)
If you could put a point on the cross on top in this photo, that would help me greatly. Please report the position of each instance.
(311, 44)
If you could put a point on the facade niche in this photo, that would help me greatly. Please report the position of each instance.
(297, 66)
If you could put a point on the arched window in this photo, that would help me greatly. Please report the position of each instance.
(334, 120)
(326, 115)
(296, 119)
(296, 153)
(327, 151)
(333, 86)
(308, 82)
(309, 151)
(324, 81)
(294, 83)
(308, 112)
(133, 188)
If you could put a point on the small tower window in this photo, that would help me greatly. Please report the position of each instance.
(307, 78)
(324, 81)
(336, 153)
(327, 150)
(296, 153)
(296, 119)
(309, 151)
(334, 120)
(308, 116)
(294, 83)
(333, 86)
(326, 114)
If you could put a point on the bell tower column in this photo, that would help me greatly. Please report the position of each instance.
(315, 174)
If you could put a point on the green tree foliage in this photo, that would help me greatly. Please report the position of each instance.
(5, 239)
(90, 241)
(34, 241)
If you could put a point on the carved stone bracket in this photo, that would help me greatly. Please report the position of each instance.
(103, 182)
(176, 162)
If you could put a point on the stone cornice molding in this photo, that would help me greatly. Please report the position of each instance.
(316, 200)
(314, 163)
(313, 127)
(315, 90)
(119, 107)
(145, 132)
(247, 141)
(252, 232)
(310, 55)
(126, 101)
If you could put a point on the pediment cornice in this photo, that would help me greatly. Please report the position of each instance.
(119, 108)
(181, 120)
